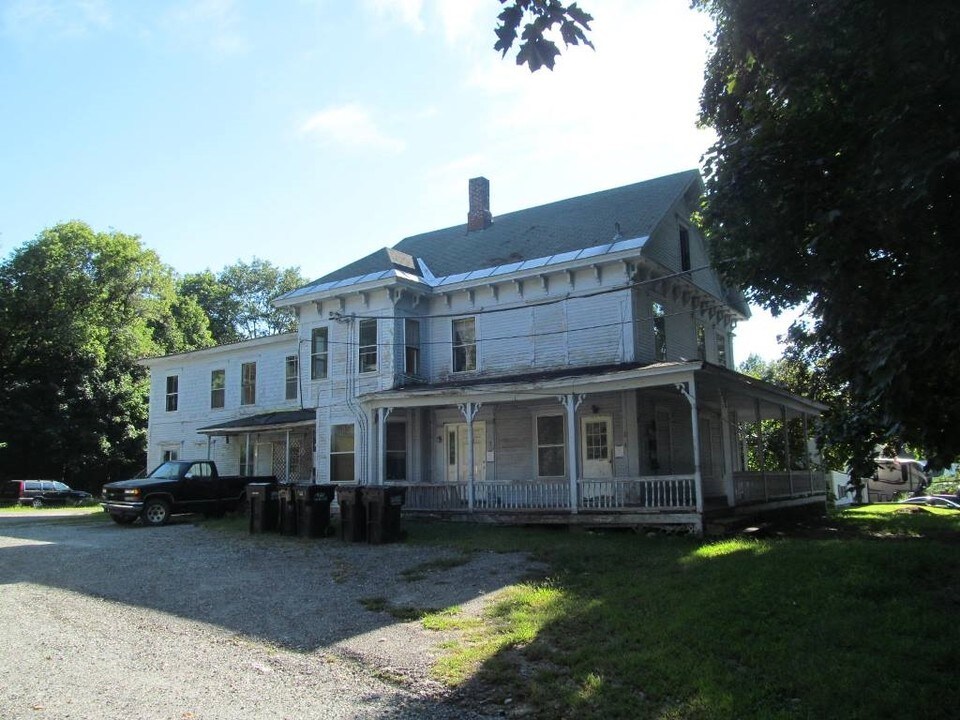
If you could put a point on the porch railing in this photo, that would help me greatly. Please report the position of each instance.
(672, 492)
(764, 486)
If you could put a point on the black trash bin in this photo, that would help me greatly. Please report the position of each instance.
(313, 509)
(383, 505)
(264, 507)
(353, 524)
(288, 509)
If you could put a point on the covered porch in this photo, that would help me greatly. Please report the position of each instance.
(659, 444)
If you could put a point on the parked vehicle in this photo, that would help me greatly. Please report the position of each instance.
(933, 501)
(176, 486)
(40, 493)
(894, 476)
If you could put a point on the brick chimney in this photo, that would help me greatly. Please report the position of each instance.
(479, 217)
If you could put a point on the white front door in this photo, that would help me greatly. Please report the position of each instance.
(596, 455)
(263, 465)
(457, 457)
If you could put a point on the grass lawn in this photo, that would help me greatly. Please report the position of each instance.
(856, 618)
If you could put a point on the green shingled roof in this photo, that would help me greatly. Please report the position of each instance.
(536, 232)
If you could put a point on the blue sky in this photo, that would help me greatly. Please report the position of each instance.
(312, 132)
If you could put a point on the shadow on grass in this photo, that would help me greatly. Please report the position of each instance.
(851, 626)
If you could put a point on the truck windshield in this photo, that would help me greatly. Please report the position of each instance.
(167, 471)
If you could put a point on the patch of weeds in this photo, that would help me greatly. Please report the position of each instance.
(421, 571)
(403, 613)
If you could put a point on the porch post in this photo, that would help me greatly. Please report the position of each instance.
(571, 402)
(727, 447)
(286, 462)
(246, 455)
(786, 447)
(469, 411)
(806, 449)
(382, 415)
(689, 391)
(760, 453)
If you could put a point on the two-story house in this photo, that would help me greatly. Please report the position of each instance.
(570, 362)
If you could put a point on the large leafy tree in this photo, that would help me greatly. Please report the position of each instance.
(238, 299)
(835, 181)
(78, 309)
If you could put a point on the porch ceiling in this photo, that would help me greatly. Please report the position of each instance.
(741, 393)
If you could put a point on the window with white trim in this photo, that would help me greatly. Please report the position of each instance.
(411, 341)
(701, 341)
(218, 388)
(684, 248)
(292, 377)
(342, 453)
(248, 383)
(396, 451)
(721, 349)
(551, 447)
(319, 353)
(368, 345)
(465, 344)
(173, 392)
(659, 332)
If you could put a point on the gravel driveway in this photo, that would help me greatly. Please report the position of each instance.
(185, 623)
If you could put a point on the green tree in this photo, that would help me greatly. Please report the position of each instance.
(834, 182)
(78, 309)
(536, 49)
(238, 299)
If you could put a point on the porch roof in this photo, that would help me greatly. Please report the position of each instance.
(740, 392)
(282, 420)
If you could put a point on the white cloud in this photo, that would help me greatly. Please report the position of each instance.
(56, 17)
(213, 24)
(621, 113)
(352, 126)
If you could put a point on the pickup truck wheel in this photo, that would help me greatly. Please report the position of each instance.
(37, 503)
(156, 512)
(123, 519)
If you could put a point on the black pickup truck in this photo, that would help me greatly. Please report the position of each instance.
(176, 486)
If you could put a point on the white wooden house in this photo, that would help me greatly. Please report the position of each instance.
(565, 363)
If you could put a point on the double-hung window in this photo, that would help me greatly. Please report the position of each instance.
(411, 340)
(721, 350)
(292, 377)
(368, 345)
(218, 388)
(550, 446)
(319, 353)
(701, 341)
(173, 392)
(659, 332)
(342, 453)
(465, 344)
(248, 383)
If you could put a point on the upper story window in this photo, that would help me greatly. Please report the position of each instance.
(465, 344)
(319, 353)
(292, 377)
(411, 340)
(173, 394)
(368, 345)
(659, 332)
(701, 341)
(218, 388)
(248, 383)
(721, 349)
(684, 248)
